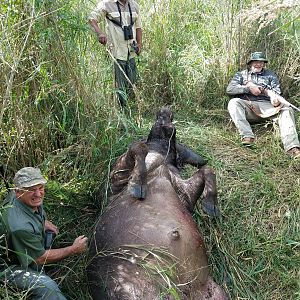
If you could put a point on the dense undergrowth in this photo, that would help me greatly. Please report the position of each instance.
(57, 111)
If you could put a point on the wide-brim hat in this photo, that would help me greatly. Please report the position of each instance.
(28, 176)
(260, 56)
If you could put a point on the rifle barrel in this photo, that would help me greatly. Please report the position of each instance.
(283, 101)
(295, 107)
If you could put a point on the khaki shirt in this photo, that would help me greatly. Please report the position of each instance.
(120, 48)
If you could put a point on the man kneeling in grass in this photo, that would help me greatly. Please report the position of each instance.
(22, 236)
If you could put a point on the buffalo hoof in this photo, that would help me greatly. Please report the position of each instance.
(137, 190)
(210, 209)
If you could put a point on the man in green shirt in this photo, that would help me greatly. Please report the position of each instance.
(22, 234)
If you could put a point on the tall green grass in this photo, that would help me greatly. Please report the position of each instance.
(58, 111)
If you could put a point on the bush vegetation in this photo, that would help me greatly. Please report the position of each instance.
(58, 112)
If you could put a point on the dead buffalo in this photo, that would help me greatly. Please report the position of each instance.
(146, 245)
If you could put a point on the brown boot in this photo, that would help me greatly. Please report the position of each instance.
(294, 152)
(247, 141)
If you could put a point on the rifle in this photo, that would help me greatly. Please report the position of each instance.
(287, 103)
(280, 98)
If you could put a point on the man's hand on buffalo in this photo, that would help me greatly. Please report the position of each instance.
(79, 244)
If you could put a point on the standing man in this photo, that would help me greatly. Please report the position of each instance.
(22, 239)
(255, 98)
(124, 39)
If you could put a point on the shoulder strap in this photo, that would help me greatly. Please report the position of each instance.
(119, 9)
(131, 20)
(114, 21)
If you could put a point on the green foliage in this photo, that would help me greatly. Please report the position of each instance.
(57, 111)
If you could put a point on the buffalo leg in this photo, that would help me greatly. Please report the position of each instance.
(187, 156)
(203, 182)
(130, 170)
(137, 185)
(209, 195)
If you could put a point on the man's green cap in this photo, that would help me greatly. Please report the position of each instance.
(257, 56)
(28, 176)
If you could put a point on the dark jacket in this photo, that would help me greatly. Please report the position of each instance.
(266, 79)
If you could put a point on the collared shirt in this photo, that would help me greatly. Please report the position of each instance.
(22, 231)
(266, 79)
(120, 48)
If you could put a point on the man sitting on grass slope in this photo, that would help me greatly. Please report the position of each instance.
(255, 93)
(22, 234)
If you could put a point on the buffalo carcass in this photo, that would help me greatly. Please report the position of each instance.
(146, 245)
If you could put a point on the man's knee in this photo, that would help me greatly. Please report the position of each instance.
(286, 110)
(38, 285)
(46, 288)
(233, 103)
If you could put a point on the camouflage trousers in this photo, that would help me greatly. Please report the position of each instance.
(35, 284)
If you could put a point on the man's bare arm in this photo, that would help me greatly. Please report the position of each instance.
(139, 38)
(101, 35)
(50, 226)
(55, 255)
